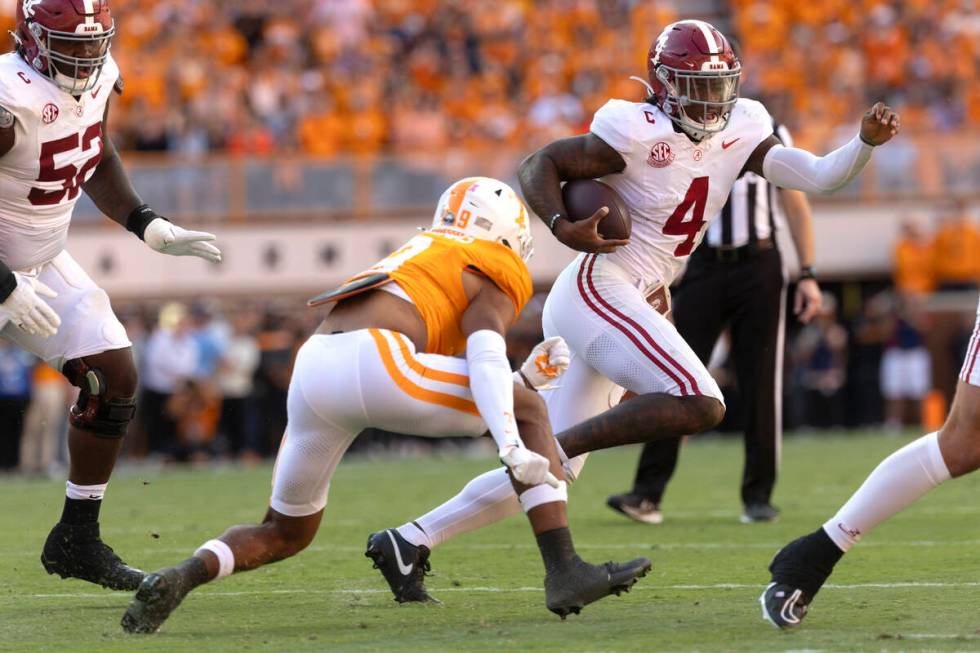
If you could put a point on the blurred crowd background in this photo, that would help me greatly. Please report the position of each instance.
(364, 76)
(366, 108)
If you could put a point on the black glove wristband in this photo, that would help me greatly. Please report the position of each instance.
(7, 282)
(807, 272)
(139, 218)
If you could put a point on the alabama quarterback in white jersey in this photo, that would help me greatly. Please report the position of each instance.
(673, 158)
(54, 97)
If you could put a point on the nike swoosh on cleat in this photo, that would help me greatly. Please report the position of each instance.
(402, 567)
(727, 145)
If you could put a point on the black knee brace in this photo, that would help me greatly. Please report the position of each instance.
(96, 410)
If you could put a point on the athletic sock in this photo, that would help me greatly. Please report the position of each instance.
(82, 503)
(486, 499)
(898, 481)
(557, 549)
(414, 534)
(806, 562)
(220, 550)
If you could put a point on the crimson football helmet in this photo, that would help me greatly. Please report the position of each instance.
(694, 75)
(65, 40)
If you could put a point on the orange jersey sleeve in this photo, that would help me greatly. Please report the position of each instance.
(505, 268)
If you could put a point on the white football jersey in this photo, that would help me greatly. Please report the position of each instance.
(57, 145)
(672, 185)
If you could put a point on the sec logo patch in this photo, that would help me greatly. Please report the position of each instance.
(660, 155)
(49, 113)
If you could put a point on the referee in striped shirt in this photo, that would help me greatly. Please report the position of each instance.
(736, 279)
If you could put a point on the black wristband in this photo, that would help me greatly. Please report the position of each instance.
(139, 218)
(807, 272)
(866, 142)
(7, 282)
(553, 221)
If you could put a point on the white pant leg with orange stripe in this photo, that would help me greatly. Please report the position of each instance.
(344, 383)
(970, 372)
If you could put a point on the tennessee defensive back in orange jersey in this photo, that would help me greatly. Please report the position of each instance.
(383, 358)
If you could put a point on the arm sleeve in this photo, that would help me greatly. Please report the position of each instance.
(492, 385)
(789, 167)
(612, 123)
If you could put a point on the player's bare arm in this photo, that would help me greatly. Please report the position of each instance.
(808, 299)
(541, 174)
(790, 167)
(20, 297)
(531, 459)
(109, 186)
(114, 195)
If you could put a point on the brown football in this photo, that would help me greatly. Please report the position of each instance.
(583, 197)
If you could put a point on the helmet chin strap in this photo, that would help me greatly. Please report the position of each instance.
(645, 83)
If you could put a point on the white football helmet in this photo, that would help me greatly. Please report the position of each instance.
(485, 209)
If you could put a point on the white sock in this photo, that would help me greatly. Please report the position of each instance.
(897, 482)
(85, 492)
(226, 558)
(415, 535)
(542, 494)
(486, 499)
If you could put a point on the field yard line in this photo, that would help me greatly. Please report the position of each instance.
(938, 636)
(492, 590)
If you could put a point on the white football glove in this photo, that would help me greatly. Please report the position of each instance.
(528, 467)
(25, 308)
(547, 361)
(168, 238)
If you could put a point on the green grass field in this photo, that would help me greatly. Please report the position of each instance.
(912, 585)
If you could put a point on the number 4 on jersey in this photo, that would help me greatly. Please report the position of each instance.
(676, 225)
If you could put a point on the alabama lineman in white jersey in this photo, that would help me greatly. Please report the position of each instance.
(673, 158)
(54, 96)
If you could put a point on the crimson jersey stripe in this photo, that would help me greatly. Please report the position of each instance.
(653, 343)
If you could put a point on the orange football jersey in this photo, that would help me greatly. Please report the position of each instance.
(430, 268)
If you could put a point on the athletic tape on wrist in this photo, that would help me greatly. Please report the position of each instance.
(226, 559)
(542, 494)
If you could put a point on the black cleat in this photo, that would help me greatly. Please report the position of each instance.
(77, 551)
(568, 591)
(784, 606)
(636, 507)
(799, 570)
(759, 513)
(403, 565)
(158, 595)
